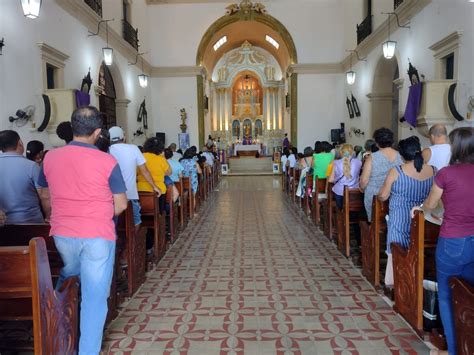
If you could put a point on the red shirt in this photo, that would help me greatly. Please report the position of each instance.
(81, 181)
(458, 200)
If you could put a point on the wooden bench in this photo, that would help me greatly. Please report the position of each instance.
(373, 239)
(172, 215)
(353, 211)
(27, 293)
(319, 198)
(183, 204)
(463, 308)
(294, 182)
(308, 195)
(135, 246)
(329, 212)
(153, 218)
(187, 186)
(411, 266)
(289, 182)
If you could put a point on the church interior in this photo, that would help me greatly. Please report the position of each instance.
(253, 249)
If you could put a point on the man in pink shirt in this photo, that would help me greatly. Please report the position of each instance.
(86, 189)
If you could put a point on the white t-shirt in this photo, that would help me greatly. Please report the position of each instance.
(440, 155)
(176, 156)
(292, 160)
(129, 158)
(209, 158)
(284, 159)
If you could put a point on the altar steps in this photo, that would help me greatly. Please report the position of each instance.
(251, 166)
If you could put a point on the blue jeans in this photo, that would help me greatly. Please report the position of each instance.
(137, 217)
(93, 260)
(454, 257)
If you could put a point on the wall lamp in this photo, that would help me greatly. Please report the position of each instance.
(31, 8)
(351, 75)
(388, 47)
(2, 44)
(107, 52)
(142, 78)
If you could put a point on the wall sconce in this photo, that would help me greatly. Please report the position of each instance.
(142, 78)
(388, 47)
(2, 44)
(107, 52)
(31, 8)
(351, 75)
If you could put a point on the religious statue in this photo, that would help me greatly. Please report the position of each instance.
(184, 115)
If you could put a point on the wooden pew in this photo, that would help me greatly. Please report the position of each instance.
(319, 197)
(411, 266)
(308, 196)
(290, 173)
(463, 308)
(184, 203)
(21, 234)
(353, 203)
(373, 239)
(152, 218)
(330, 213)
(187, 186)
(294, 182)
(172, 215)
(135, 245)
(27, 293)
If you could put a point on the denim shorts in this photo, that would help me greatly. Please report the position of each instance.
(137, 217)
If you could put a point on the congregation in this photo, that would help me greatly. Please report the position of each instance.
(435, 180)
(82, 188)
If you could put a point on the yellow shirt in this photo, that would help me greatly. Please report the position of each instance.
(157, 165)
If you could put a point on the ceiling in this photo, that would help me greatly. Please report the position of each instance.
(240, 31)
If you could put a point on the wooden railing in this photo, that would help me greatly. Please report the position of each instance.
(130, 34)
(364, 29)
(397, 3)
(95, 5)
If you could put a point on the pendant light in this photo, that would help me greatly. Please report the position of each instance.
(107, 51)
(389, 46)
(351, 75)
(31, 8)
(143, 78)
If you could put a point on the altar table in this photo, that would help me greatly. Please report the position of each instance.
(249, 148)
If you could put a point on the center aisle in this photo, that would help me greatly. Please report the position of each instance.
(251, 276)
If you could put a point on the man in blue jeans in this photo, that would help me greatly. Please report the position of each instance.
(86, 190)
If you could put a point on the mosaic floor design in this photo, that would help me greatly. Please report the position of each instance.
(251, 275)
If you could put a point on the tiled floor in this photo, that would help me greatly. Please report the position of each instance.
(251, 276)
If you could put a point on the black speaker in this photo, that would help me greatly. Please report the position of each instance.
(161, 137)
(335, 135)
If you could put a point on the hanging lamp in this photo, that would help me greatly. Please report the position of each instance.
(388, 47)
(143, 78)
(31, 8)
(351, 75)
(107, 51)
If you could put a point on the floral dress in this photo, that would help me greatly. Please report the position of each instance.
(190, 170)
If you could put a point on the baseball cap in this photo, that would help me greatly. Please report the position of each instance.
(116, 133)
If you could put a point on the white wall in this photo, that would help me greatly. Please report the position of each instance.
(168, 97)
(21, 75)
(433, 23)
(319, 109)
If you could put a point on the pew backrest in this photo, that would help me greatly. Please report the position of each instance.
(463, 305)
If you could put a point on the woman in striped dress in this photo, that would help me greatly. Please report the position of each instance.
(407, 186)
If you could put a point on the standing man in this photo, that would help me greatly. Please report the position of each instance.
(129, 159)
(439, 154)
(18, 182)
(87, 189)
(286, 142)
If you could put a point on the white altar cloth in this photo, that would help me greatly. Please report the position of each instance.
(246, 148)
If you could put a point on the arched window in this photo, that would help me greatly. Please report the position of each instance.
(107, 97)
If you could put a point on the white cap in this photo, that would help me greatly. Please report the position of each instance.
(116, 133)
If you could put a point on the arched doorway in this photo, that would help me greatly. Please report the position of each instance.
(107, 97)
(384, 98)
(247, 22)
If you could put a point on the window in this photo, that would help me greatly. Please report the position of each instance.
(272, 41)
(220, 42)
(449, 66)
(51, 74)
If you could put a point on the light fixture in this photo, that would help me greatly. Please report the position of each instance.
(31, 8)
(350, 75)
(107, 52)
(219, 43)
(388, 47)
(142, 78)
(273, 42)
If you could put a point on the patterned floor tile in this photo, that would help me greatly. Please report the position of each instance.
(251, 275)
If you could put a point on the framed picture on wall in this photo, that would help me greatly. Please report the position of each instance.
(183, 140)
(224, 169)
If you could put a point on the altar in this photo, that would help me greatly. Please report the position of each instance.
(248, 149)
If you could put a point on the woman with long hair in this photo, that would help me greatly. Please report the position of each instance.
(406, 185)
(345, 173)
(455, 249)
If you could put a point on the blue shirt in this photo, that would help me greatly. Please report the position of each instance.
(18, 182)
(176, 168)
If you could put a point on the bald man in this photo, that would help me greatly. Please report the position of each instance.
(439, 154)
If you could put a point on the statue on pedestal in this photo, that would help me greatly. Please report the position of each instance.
(184, 115)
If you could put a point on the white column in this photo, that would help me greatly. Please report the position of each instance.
(226, 109)
(274, 96)
(213, 108)
(267, 95)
